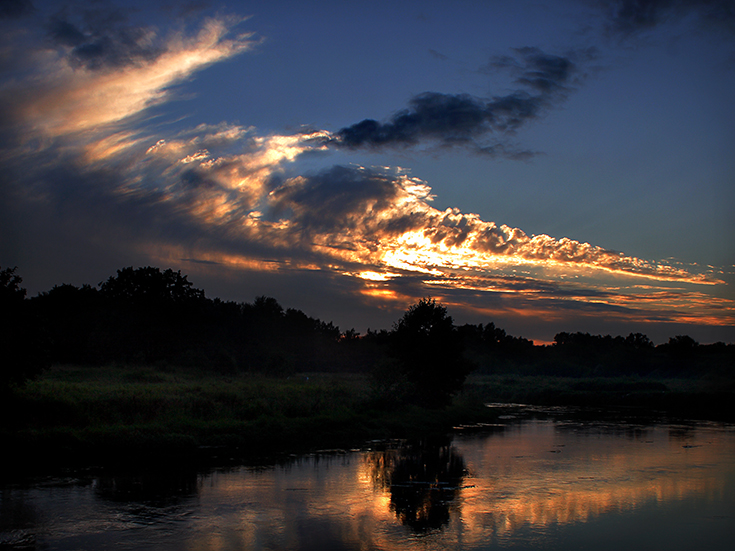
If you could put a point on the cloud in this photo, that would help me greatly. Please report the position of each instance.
(446, 118)
(543, 73)
(10, 9)
(386, 220)
(82, 174)
(71, 94)
(465, 120)
(103, 40)
(71, 147)
(227, 194)
(340, 199)
(437, 55)
(628, 17)
(223, 195)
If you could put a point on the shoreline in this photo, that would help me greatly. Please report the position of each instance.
(81, 416)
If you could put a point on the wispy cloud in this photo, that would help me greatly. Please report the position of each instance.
(102, 40)
(88, 81)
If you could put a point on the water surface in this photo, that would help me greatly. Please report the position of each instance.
(553, 483)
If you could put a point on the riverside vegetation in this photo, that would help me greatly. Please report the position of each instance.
(145, 365)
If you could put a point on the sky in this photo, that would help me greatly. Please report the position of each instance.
(547, 166)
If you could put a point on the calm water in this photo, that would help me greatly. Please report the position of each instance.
(548, 483)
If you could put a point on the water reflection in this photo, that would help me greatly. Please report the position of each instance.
(537, 484)
(423, 478)
(534, 478)
(18, 520)
(156, 488)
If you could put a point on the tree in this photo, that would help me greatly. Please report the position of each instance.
(681, 344)
(639, 341)
(430, 353)
(74, 319)
(151, 315)
(150, 286)
(11, 293)
(23, 350)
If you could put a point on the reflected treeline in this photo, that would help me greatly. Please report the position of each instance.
(155, 488)
(423, 477)
(518, 490)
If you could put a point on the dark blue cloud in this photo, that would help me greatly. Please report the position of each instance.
(451, 119)
(334, 198)
(462, 119)
(543, 73)
(631, 16)
(10, 9)
(102, 38)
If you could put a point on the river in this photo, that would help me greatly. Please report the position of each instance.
(540, 480)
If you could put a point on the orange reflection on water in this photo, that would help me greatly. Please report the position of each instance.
(472, 493)
(539, 478)
(272, 508)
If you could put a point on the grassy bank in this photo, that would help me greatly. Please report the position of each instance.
(710, 397)
(122, 412)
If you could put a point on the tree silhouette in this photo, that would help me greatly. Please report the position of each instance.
(681, 344)
(153, 315)
(150, 286)
(23, 350)
(157, 317)
(11, 293)
(430, 353)
(74, 319)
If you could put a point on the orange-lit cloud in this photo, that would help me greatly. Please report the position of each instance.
(67, 98)
(225, 194)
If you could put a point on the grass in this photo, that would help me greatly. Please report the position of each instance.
(119, 412)
(103, 396)
(707, 397)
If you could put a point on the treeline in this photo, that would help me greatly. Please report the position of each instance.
(584, 355)
(154, 317)
(149, 316)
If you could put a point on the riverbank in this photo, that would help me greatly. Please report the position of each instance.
(122, 413)
(119, 412)
(707, 398)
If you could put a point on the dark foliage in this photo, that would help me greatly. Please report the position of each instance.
(491, 349)
(153, 317)
(150, 287)
(429, 351)
(22, 339)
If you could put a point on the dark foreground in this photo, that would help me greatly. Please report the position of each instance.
(542, 478)
(92, 415)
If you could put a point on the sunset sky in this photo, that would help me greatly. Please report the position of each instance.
(545, 165)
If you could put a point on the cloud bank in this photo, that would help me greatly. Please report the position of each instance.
(224, 195)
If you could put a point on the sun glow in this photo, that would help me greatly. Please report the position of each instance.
(376, 276)
(380, 293)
